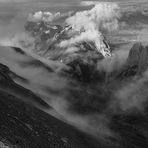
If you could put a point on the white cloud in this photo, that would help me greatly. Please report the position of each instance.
(91, 23)
(89, 3)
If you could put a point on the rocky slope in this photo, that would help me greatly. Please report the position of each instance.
(84, 67)
(22, 125)
(81, 57)
(137, 62)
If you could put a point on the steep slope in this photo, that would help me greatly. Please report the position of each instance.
(25, 95)
(23, 125)
(137, 61)
(81, 57)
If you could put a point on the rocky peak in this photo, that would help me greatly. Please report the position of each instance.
(137, 61)
(42, 29)
(135, 54)
(81, 56)
(49, 35)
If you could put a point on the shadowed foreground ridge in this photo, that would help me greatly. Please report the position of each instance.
(24, 126)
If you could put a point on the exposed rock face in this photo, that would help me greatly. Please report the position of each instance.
(48, 37)
(81, 57)
(83, 63)
(137, 61)
(44, 35)
(4, 73)
(42, 29)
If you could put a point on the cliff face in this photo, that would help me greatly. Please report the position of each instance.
(81, 56)
(83, 63)
(137, 61)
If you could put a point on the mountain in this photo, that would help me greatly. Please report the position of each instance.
(44, 35)
(48, 36)
(137, 61)
(22, 125)
(81, 57)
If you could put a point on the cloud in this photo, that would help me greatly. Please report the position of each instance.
(90, 25)
(94, 124)
(115, 62)
(47, 16)
(89, 3)
(43, 16)
(133, 95)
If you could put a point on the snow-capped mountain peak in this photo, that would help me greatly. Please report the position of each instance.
(52, 39)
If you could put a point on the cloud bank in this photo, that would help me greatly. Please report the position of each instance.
(47, 16)
(91, 24)
(89, 3)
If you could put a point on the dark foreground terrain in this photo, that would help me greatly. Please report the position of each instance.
(24, 126)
